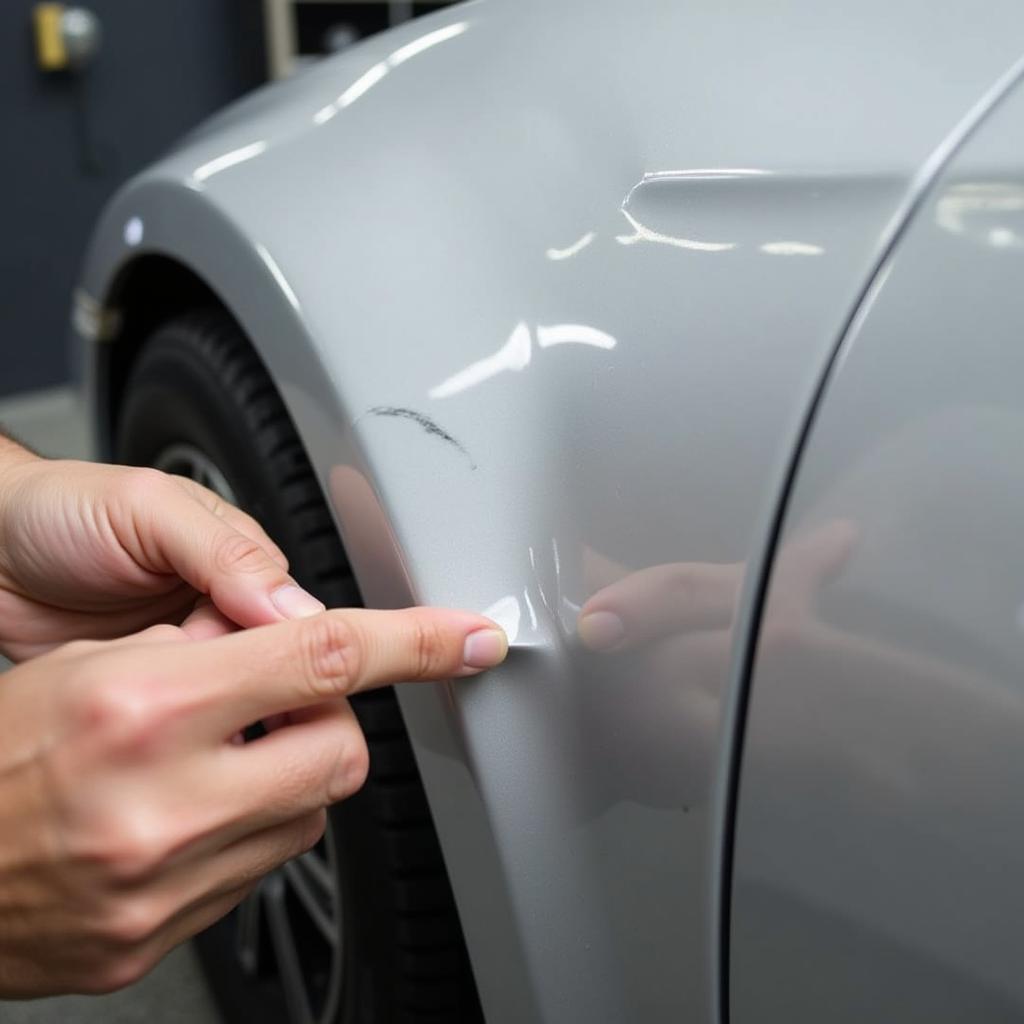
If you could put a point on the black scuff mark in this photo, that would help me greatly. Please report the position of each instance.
(432, 428)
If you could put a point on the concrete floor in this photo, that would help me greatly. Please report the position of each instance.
(174, 993)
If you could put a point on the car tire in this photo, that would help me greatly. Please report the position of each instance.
(197, 386)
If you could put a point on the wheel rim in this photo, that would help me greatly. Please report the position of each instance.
(290, 926)
(293, 920)
(187, 460)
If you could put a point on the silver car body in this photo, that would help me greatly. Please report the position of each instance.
(554, 294)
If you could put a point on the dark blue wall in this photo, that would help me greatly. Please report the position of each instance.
(67, 142)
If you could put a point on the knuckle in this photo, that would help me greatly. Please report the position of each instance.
(684, 588)
(307, 832)
(130, 923)
(356, 763)
(331, 655)
(118, 714)
(234, 552)
(103, 704)
(313, 832)
(116, 974)
(133, 847)
(78, 650)
(163, 631)
(783, 633)
(429, 649)
(143, 484)
(352, 768)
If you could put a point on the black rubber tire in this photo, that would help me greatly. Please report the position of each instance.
(197, 380)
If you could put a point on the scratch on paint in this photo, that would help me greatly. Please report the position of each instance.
(425, 422)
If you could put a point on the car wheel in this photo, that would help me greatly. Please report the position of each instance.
(363, 928)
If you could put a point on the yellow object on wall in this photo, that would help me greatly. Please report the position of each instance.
(51, 53)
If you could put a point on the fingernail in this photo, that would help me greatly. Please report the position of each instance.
(601, 631)
(294, 603)
(485, 648)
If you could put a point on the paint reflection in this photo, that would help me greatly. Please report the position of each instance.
(642, 233)
(517, 352)
(664, 601)
(792, 249)
(232, 158)
(507, 614)
(987, 212)
(699, 178)
(666, 633)
(376, 72)
(570, 250)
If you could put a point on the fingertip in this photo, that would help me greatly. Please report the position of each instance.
(601, 630)
(485, 648)
(292, 602)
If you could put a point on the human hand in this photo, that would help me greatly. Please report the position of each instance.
(103, 551)
(129, 820)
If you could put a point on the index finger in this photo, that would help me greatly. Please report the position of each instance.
(660, 601)
(249, 675)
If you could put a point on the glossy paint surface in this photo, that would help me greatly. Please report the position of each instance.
(879, 844)
(547, 289)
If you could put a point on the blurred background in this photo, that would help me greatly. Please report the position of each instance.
(90, 95)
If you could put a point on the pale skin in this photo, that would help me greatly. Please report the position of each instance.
(152, 622)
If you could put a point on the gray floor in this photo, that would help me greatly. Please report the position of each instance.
(174, 993)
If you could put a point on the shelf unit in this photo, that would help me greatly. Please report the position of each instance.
(281, 26)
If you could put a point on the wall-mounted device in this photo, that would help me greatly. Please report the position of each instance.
(67, 38)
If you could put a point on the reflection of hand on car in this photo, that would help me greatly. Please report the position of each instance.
(687, 597)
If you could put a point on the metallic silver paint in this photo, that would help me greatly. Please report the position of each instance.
(879, 845)
(608, 249)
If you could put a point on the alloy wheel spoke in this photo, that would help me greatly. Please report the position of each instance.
(283, 940)
(248, 932)
(186, 460)
(311, 885)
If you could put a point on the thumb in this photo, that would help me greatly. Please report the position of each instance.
(174, 534)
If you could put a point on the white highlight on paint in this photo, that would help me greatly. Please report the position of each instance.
(133, 231)
(517, 352)
(361, 85)
(369, 78)
(221, 163)
(507, 614)
(513, 355)
(704, 173)
(642, 233)
(571, 250)
(425, 42)
(573, 334)
(792, 249)
(695, 174)
(278, 276)
(1001, 238)
(529, 608)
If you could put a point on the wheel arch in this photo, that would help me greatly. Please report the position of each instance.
(146, 291)
(194, 253)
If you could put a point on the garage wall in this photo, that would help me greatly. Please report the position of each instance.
(68, 141)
